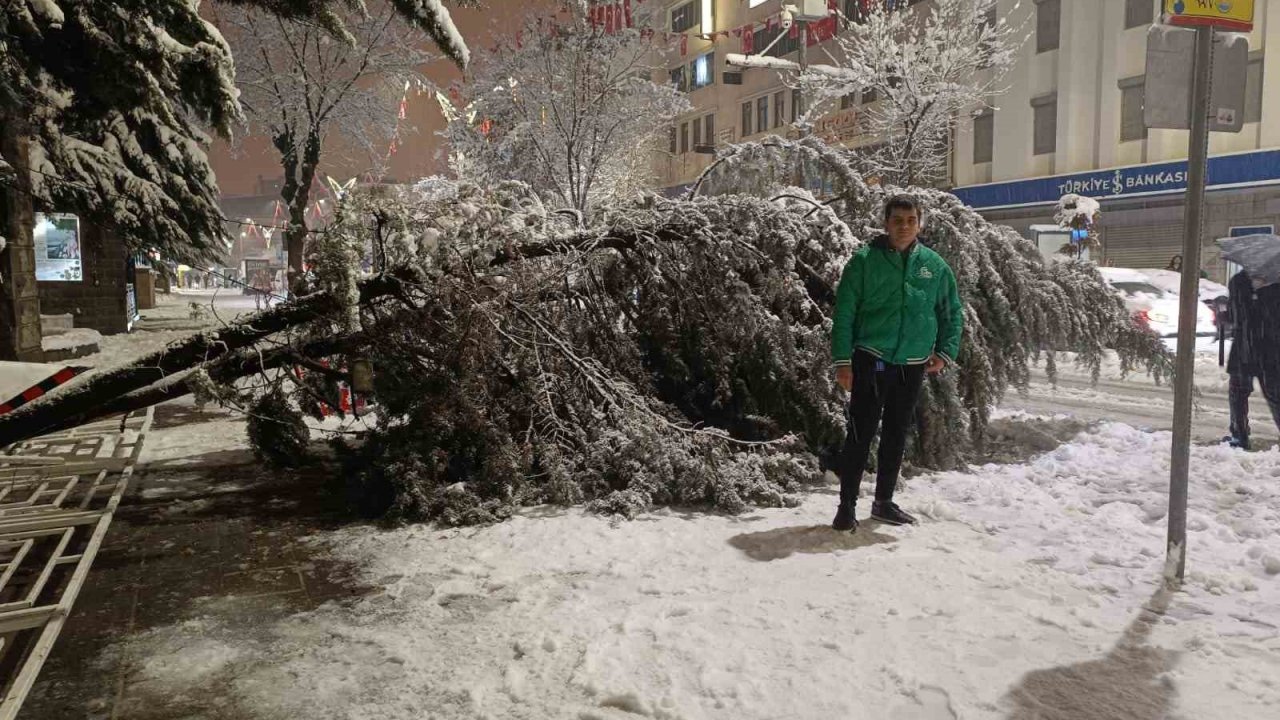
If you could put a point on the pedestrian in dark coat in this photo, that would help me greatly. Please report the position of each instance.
(1255, 351)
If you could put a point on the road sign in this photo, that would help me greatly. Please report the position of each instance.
(1170, 59)
(1231, 15)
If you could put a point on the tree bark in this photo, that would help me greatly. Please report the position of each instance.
(299, 174)
(19, 295)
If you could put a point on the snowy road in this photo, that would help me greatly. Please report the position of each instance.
(1136, 402)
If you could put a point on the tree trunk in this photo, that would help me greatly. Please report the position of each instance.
(19, 294)
(299, 174)
(72, 405)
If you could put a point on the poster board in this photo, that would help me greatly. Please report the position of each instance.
(58, 250)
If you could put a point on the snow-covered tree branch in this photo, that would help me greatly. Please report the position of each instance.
(567, 108)
(918, 70)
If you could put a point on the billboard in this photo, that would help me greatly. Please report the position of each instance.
(57, 241)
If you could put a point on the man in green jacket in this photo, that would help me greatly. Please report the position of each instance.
(898, 315)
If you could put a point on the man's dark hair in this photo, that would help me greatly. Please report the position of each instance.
(903, 202)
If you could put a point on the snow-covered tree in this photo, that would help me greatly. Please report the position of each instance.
(919, 69)
(1077, 212)
(568, 108)
(303, 87)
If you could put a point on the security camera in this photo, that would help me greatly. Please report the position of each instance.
(788, 16)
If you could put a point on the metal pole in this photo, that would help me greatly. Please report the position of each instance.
(1197, 160)
(803, 57)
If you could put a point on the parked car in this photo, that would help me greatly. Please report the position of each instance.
(1155, 307)
(1171, 282)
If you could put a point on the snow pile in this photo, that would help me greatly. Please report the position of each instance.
(71, 339)
(1028, 587)
(1076, 211)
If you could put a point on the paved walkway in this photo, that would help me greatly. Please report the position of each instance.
(223, 526)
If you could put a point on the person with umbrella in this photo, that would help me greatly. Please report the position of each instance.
(1255, 316)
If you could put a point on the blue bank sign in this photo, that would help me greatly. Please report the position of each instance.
(1225, 171)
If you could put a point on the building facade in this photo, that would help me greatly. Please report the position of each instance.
(756, 104)
(1071, 121)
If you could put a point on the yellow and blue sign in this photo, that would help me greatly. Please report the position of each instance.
(1231, 15)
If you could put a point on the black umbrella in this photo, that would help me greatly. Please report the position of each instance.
(1259, 255)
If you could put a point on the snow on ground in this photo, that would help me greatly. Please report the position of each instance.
(1209, 376)
(1030, 592)
(73, 338)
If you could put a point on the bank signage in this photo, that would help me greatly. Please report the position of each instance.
(1225, 171)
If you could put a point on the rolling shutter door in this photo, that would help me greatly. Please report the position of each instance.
(1141, 246)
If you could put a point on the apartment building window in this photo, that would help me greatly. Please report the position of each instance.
(709, 130)
(779, 108)
(1132, 125)
(697, 132)
(795, 105)
(783, 47)
(1045, 140)
(848, 100)
(680, 78)
(672, 133)
(703, 70)
(746, 118)
(762, 113)
(1253, 90)
(684, 137)
(870, 95)
(984, 136)
(684, 16)
(1138, 13)
(1048, 24)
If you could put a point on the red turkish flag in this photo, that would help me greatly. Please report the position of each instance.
(608, 19)
(748, 39)
(794, 32)
(684, 45)
(626, 9)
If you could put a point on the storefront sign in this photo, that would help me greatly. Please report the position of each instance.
(57, 241)
(1231, 15)
(1225, 171)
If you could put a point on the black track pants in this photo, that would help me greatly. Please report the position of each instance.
(884, 396)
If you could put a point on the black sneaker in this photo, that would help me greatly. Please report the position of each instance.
(888, 512)
(845, 519)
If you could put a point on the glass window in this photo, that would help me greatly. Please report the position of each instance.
(679, 78)
(684, 16)
(1253, 92)
(1046, 127)
(746, 119)
(704, 70)
(1048, 20)
(779, 108)
(870, 95)
(684, 137)
(697, 132)
(762, 113)
(984, 137)
(1132, 125)
(795, 105)
(1138, 13)
(709, 129)
(673, 139)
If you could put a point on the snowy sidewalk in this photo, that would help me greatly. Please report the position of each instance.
(1031, 592)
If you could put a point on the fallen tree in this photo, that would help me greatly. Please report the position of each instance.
(675, 352)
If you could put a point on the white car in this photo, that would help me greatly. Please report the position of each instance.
(1155, 307)
(1171, 282)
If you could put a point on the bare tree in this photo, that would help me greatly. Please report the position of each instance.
(569, 108)
(300, 85)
